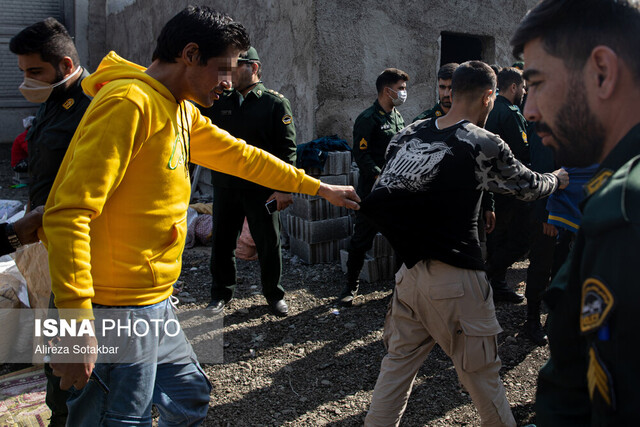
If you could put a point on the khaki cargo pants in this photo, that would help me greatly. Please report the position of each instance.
(437, 303)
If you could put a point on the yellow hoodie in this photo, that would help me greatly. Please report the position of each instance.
(115, 220)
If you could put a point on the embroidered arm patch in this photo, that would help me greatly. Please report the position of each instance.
(597, 302)
(599, 382)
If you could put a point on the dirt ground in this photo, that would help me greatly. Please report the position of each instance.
(318, 366)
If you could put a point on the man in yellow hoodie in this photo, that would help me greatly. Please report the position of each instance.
(115, 221)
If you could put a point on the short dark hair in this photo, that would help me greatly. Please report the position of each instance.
(49, 38)
(496, 68)
(471, 78)
(507, 76)
(212, 31)
(446, 71)
(390, 76)
(571, 29)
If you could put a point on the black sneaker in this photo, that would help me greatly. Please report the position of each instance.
(279, 307)
(216, 306)
(349, 292)
(533, 331)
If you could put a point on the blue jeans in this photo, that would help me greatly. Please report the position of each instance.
(123, 393)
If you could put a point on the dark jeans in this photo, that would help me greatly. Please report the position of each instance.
(230, 206)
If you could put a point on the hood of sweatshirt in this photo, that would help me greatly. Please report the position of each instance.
(113, 67)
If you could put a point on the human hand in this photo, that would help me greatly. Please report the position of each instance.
(340, 195)
(563, 178)
(75, 374)
(283, 199)
(489, 221)
(26, 228)
(549, 229)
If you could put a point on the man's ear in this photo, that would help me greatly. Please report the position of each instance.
(486, 97)
(513, 88)
(66, 66)
(191, 53)
(602, 70)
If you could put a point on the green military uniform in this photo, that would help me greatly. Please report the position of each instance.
(436, 111)
(593, 374)
(507, 121)
(49, 137)
(509, 241)
(372, 131)
(263, 119)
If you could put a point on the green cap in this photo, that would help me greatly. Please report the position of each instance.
(249, 55)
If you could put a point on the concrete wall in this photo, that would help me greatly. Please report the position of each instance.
(324, 55)
(358, 39)
(282, 31)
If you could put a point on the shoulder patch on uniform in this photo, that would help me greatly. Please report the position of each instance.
(438, 113)
(68, 103)
(363, 144)
(597, 302)
(273, 92)
(599, 379)
(598, 181)
(524, 137)
(287, 119)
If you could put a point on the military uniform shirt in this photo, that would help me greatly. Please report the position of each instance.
(49, 137)
(507, 121)
(592, 376)
(262, 119)
(436, 111)
(372, 131)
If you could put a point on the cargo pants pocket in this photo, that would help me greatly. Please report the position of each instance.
(480, 343)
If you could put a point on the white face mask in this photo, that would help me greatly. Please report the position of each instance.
(402, 97)
(38, 92)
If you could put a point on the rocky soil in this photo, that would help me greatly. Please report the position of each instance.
(318, 366)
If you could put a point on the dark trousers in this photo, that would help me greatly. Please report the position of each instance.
(361, 241)
(510, 239)
(55, 398)
(363, 234)
(541, 258)
(564, 243)
(230, 206)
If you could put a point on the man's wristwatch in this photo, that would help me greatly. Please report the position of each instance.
(12, 236)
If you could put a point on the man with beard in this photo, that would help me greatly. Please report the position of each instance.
(442, 294)
(444, 93)
(52, 76)
(583, 68)
(487, 218)
(510, 239)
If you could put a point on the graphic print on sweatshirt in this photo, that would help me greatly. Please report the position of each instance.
(415, 155)
(414, 165)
